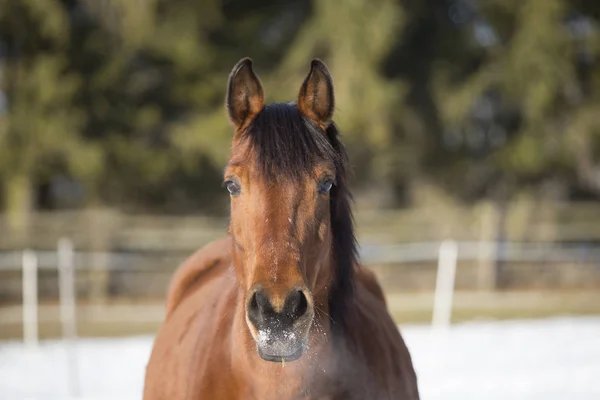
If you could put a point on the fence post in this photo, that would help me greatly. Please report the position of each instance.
(486, 257)
(68, 310)
(444, 287)
(30, 299)
(101, 228)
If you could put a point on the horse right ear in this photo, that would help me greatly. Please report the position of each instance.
(245, 97)
(316, 100)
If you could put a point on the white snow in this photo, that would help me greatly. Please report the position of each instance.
(543, 359)
(530, 360)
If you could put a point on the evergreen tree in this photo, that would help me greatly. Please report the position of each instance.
(39, 125)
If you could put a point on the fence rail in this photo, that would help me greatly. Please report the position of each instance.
(370, 254)
(109, 230)
(398, 267)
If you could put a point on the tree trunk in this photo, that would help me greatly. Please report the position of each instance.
(18, 201)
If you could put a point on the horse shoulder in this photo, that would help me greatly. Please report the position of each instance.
(192, 270)
(382, 345)
(193, 341)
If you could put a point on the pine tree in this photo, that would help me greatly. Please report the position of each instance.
(40, 125)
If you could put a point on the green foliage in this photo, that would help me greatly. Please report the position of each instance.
(536, 73)
(126, 97)
(41, 125)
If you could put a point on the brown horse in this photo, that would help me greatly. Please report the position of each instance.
(280, 309)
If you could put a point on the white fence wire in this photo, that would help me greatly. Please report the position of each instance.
(370, 254)
(66, 260)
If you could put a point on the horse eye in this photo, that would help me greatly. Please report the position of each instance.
(325, 186)
(232, 187)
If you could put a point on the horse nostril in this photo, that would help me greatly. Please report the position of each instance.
(263, 300)
(296, 304)
(259, 303)
(253, 305)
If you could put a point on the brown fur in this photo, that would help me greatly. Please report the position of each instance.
(194, 271)
(286, 236)
(194, 354)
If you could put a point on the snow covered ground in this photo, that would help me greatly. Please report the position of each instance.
(543, 359)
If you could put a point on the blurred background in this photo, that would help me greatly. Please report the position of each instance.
(474, 121)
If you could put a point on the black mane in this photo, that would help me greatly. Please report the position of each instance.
(288, 145)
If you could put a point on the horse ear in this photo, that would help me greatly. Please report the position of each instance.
(245, 97)
(315, 99)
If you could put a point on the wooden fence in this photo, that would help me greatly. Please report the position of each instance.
(156, 244)
(105, 230)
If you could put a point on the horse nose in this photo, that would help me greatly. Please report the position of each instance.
(264, 311)
(296, 304)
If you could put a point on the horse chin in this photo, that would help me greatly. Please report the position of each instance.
(279, 355)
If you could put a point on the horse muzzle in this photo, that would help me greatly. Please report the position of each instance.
(280, 333)
(282, 346)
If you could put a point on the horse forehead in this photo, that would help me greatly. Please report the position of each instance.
(282, 195)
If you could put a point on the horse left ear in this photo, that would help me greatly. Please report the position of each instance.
(245, 97)
(315, 99)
